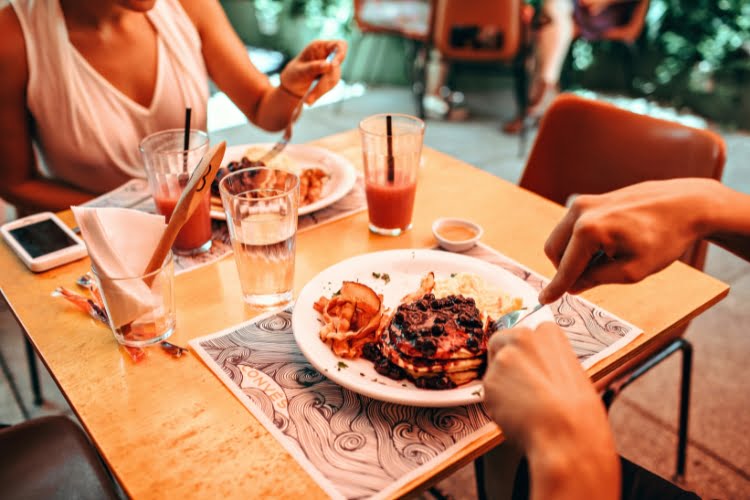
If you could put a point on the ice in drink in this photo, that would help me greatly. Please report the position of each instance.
(196, 233)
(390, 206)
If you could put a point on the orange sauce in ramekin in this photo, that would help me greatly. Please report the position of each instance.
(456, 232)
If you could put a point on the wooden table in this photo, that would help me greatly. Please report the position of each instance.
(169, 428)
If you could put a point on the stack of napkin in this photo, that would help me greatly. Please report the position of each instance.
(120, 243)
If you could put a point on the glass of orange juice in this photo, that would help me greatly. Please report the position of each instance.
(168, 166)
(391, 149)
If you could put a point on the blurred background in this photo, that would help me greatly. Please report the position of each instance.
(683, 60)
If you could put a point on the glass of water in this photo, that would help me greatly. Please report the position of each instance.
(261, 207)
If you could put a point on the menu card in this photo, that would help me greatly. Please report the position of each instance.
(354, 446)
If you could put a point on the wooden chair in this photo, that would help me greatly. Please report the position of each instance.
(493, 32)
(457, 30)
(590, 147)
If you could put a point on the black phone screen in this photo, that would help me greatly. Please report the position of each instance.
(41, 238)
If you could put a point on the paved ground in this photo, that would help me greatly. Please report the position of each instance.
(644, 417)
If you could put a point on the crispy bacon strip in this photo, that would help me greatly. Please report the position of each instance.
(351, 319)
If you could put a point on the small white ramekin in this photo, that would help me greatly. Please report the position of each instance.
(455, 245)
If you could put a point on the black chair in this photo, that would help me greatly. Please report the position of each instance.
(51, 458)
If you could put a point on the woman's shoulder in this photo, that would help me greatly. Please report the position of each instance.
(13, 48)
(200, 12)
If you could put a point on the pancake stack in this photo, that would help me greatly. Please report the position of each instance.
(436, 343)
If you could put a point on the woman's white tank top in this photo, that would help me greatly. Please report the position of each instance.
(87, 130)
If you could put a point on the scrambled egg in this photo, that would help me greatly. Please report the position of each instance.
(491, 301)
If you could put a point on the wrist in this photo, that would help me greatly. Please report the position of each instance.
(576, 466)
(572, 454)
(288, 92)
(725, 213)
(714, 207)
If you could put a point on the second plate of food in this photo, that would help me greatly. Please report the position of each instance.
(392, 276)
(335, 173)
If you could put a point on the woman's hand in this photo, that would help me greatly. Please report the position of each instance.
(539, 395)
(641, 228)
(311, 63)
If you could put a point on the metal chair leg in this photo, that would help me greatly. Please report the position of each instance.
(479, 477)
(520, 78)
(36, 387)
(687, 369)
(13, 387)
(682, 430)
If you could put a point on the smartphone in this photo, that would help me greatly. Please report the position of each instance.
(43, 241)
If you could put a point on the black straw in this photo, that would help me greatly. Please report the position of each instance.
(389, 140)
(188, 112)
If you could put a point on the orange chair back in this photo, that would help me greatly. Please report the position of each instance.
(590, 147)
(478, 30)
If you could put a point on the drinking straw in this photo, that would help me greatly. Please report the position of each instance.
(186, 142)
(389, 140)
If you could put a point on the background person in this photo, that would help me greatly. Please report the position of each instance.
(559, 19)
(85, 80)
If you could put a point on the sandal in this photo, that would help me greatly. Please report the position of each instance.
(449, 105)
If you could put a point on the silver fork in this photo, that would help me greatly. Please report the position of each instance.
(513, 318)
(279, 146)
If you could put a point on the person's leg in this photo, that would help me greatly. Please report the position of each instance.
(437, 73)
(637, 484)
(641, 484)
(500, 469)
(553, 41)
(439, 100)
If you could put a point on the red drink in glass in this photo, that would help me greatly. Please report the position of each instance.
(196, 233)
(390, 206)
(170, 156)
(391, 152)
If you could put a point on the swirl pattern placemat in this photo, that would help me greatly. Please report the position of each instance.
(354, 446)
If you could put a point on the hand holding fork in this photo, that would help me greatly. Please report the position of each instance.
(281, 144)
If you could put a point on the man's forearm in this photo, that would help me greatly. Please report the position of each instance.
(574, 457)
(728, 221)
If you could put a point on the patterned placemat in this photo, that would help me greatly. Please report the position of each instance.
(135, 194)
(354, 446)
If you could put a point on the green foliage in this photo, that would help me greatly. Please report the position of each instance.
(685, 43)
(702, 36)
(330, 18)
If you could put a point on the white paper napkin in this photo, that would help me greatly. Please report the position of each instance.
(120, 242)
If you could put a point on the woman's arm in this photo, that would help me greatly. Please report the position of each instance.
(230, 68)
(19, 185)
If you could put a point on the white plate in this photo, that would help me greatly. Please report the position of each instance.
(342, 173)
(405, 268)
